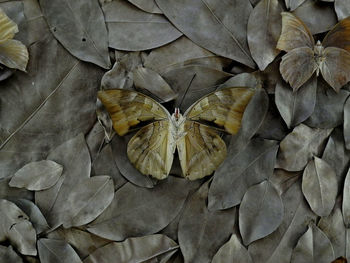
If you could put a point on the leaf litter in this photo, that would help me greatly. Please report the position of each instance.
(68, 190)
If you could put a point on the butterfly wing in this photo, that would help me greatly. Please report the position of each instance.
(128, 108)
(224, 107)
(8, 28)
(335, 67)
(294, 33)
(201, 150)
(339, 36)
(14, 54)
(297, 66)
(151, 149)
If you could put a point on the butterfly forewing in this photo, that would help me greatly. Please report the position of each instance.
(8, 28)
(151, 149)
(294, 33)
(339, 36)
(201, 150)
(224, 107)
(297, 66)
(128, 108)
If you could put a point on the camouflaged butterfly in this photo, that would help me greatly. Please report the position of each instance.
(303, 58)
(201, 150)
(13, 53)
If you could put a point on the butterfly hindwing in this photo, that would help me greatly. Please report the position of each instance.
(128, 108)
(297, 66)
(201, 150)
(294, 33)
(224, 107)
(14, 54)
(8, 28)
(151, 149)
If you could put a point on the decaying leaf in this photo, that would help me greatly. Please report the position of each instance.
(16, 227)
(56, 251)
(8, 255)
(299, 146)
(264, 28)
(293, 4)
(313, 246)
(138, 249)
(147, 5)
(347, 123)
(37, 176)
(342, 8)
(320, 186)
(346, 203)
(260, 213)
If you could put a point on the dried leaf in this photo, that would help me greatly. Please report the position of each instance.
(264, 29)
(323, 17)
(260, 213)
(293, 4)
(7, 192)
(67, 91)
(232, 251)
(152, 84)
(313, 246)
(183, 52)
(213, 29)
(320, 186)
(80, 27)
(346, 204)
(278, 246)
(132, 29)
(296, 106)
(37, 176)
(157, 207)
(299, 146)
(200, 242)
(138, 249)
(342, 8)
(253, 164)
(282, 179)
(347, 123)
(56, 251)
(16, 227)
(8, 255)
(147, 5)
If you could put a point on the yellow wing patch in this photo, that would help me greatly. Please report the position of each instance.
(224, 107)
(128, 108)
(201, 150)
(151, 149)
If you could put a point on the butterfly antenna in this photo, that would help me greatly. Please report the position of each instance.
(188, 87)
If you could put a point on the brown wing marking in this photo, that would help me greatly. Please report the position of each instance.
(339, 36)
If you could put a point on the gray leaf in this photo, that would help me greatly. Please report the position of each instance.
(8, 255)
(328, 112)
(347, 123)
(320, 186)
(241, 80)
(299, 146)
(293, 4)
(260, 213)
(56, 251)
(50, 104)
(183, 52)
(333, 226)
(264, 29)
(138, 249)
(36, 176)
(151, 83)
(75, 158)
(95, 139)
(342, 8)
(80, 27)
(313, 246)
(252, 165)
(232, 251)
(16, 227)
(225, 35)
(147, 5)
(199, 234)
(323, 17)
(296, 106)
(346, 203)
(7, 192)
(282, 179)
(132, 29)
(278, 246)
(36, 217)
(137, 211)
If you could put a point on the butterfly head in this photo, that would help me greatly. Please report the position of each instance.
(177, 117)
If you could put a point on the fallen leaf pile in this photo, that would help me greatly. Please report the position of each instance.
(68, 192)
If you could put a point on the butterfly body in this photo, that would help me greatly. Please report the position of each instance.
(331, 57)
(200, 148)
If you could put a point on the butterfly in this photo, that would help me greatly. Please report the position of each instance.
(13, 53)
(340, 260)
(200, 147)
(304, 57)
